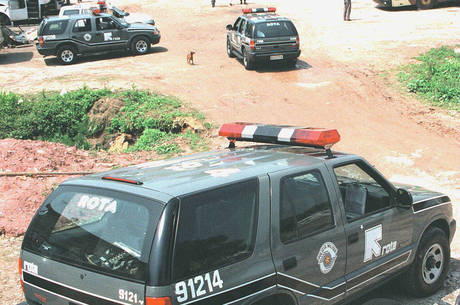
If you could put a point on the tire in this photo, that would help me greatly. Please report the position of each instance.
(429, 269)
(230, 49)
(140, 45)
(247, 62)
(4, 20)
(67, 55)
(290, 63)
(426, 4)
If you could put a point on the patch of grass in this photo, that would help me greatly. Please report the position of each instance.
(48, 116)
(436, 78)
(150, 118)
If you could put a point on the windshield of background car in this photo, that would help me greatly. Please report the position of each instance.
(271, 29)
(104, 231)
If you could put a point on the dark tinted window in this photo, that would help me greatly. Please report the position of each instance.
(216, 228)
(82, 25)
(242, 26)
(304, 206)
(272, 29)
(55, 27)
(105, 23)
(100, 230)
(361, 193)
(249, 30)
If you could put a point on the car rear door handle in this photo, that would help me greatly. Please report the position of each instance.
(353, 237)
(290, 263)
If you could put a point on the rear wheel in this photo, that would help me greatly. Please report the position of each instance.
(429, 269)
(291, 63)
(229, 49)
(140, 45)
(67, 55)
(247, 62)
(4, 20)
(425, 4)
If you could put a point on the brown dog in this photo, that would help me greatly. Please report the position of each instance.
(190, 58)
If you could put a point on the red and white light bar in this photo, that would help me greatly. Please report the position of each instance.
(259, 10)
(301, 136)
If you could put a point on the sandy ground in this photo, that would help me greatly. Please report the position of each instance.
(341, 81)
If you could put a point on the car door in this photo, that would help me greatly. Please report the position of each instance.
(379, 233)
(240, 36)
(82, 34)
(110, 34)
(234, 33)
(308, 239)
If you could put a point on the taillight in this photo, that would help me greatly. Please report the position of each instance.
(20, 274)
(298, 41)
(252, 44)
(158, 301)
(40, 41)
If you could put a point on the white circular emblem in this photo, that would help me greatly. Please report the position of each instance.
(87, 37)
(326, 257)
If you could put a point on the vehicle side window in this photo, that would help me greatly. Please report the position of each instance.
(55, 27)
(361, 193)
(249, 29)
(82, 25)
(236, 24)
(215, 228)
(305, 207)
(105, 23)
(17, 4)
(242, 26)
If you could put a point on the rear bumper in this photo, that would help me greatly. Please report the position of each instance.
(44, 51)
(156, 39)
(287, 55)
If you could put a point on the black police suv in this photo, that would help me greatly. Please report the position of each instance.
(261, 35)
(68, 36)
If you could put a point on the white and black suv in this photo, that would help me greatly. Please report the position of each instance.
(277, 224)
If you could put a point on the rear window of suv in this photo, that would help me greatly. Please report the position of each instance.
(216, 228)
(99, 230)
(272, 29)
(55, 27)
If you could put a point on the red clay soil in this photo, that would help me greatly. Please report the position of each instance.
(20, 196)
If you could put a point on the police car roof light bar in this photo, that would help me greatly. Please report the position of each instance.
(259, 10)
(278, 134)
(123, 180)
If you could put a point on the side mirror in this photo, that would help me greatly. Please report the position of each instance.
(404, 198)
(229, 27)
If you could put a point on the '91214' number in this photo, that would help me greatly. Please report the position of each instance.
(198, 286)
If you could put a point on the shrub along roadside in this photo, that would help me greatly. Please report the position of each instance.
(436, 78)
(148, 117)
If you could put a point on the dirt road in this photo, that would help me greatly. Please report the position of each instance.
(340, 80)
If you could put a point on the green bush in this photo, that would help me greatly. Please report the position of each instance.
(436, 78)
(48, 116)
(64, 118)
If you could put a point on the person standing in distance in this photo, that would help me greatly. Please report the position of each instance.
(347, 10)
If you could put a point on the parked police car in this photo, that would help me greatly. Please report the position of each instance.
(260, 35)
(66, 37)
(261, 225)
